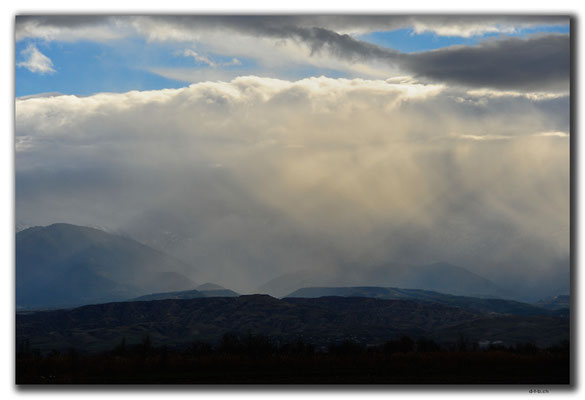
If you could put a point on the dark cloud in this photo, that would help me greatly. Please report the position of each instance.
(537, 63)
(62, 21)
(533, 64)
(341, 46)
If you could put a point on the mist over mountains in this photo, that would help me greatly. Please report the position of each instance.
(264, 245)
(442, 277)
(255, 178)
(64, 265)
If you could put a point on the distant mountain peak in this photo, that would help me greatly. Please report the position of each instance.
(187, 294)
(440, 276)
(209, 286)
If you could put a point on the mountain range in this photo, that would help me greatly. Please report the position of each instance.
(110, 287)
(64, 265)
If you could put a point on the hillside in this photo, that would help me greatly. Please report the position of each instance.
(65, 265)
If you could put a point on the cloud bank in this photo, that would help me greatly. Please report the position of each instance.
(257, 177)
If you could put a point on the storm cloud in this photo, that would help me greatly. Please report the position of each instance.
(538, 63)
(257, 177)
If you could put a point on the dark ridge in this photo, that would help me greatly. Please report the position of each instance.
(319, 321)
(474, 304)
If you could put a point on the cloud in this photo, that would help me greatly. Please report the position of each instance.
(206, 60)
(202, 74)
(199, 58)
(185, 28)
(314, 173)
(483, 93)
(35, 61)
(233, 61)
(482, 137)
(478, 25)
(535, 63)
(70, 28)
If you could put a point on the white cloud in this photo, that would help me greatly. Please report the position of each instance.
(233, 61)
(536, 96)
(35, 61)
(467, 136)
(208, 61)
(482, 137)
(465, 30)
(553, 134)
(199, 58)
(203, 74)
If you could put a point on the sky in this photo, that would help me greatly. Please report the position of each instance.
(254, 146)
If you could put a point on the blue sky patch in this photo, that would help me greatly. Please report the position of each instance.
(86, 67)
(408, 41)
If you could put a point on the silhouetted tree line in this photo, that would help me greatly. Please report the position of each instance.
(259, 346)
(261, 359)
